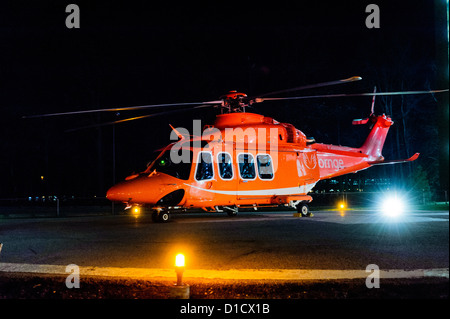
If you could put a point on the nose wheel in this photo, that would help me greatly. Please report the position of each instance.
(161, 216)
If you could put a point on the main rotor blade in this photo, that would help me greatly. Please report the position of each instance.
(258, 100)
(119, 109)
(312, 86)
(137, 118)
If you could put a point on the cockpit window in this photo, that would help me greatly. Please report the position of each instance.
(171, 163)
(204, 167)
(153, 156)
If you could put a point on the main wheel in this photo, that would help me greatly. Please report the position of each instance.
(303, 209)
(231, 211)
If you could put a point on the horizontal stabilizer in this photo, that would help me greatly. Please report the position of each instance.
(360, 121)
(382, 162)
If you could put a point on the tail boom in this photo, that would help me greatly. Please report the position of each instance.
(339, 160)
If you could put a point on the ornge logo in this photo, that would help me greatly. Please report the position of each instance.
(331, 163)
(310, 160)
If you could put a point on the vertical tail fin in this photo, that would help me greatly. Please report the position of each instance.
(373, 145)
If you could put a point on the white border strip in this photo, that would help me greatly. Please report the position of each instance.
(302, 189)
(236, 274)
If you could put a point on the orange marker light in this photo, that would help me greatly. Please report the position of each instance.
(179, 260)
(136, 211)
(179, 268)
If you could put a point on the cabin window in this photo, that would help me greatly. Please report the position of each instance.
(225, 166)
(204, 167)
(247, 166)
(265, 168)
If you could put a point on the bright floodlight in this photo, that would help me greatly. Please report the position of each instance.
(393, 206)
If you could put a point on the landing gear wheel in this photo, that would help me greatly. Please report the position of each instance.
(160, 217)
(164, 217)
(231, 211)
(303, 209)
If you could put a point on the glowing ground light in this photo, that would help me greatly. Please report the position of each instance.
(136, 211)
(342, 207)
(179, 260)
(179, 268)
(180, 290)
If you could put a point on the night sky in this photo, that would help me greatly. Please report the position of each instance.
(139, 53)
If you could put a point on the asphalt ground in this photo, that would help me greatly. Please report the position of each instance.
(271, 240)
(329, 242)
(45, 286)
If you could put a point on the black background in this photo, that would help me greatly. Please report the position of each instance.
(138, 53)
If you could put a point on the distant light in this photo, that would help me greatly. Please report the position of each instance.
(179, 260)
(42, 177)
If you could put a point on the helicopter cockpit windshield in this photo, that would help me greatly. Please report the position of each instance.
(173, 163)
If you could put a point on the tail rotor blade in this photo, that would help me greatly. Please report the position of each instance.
(372, 109)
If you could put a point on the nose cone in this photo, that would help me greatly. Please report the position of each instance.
(120, 193)
(142, 190)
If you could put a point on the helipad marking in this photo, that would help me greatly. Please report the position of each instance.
(236, 274)
(336, 217)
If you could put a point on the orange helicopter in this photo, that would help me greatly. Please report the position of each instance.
(246, 160)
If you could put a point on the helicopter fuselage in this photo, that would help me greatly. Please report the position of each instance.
(245, 160)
